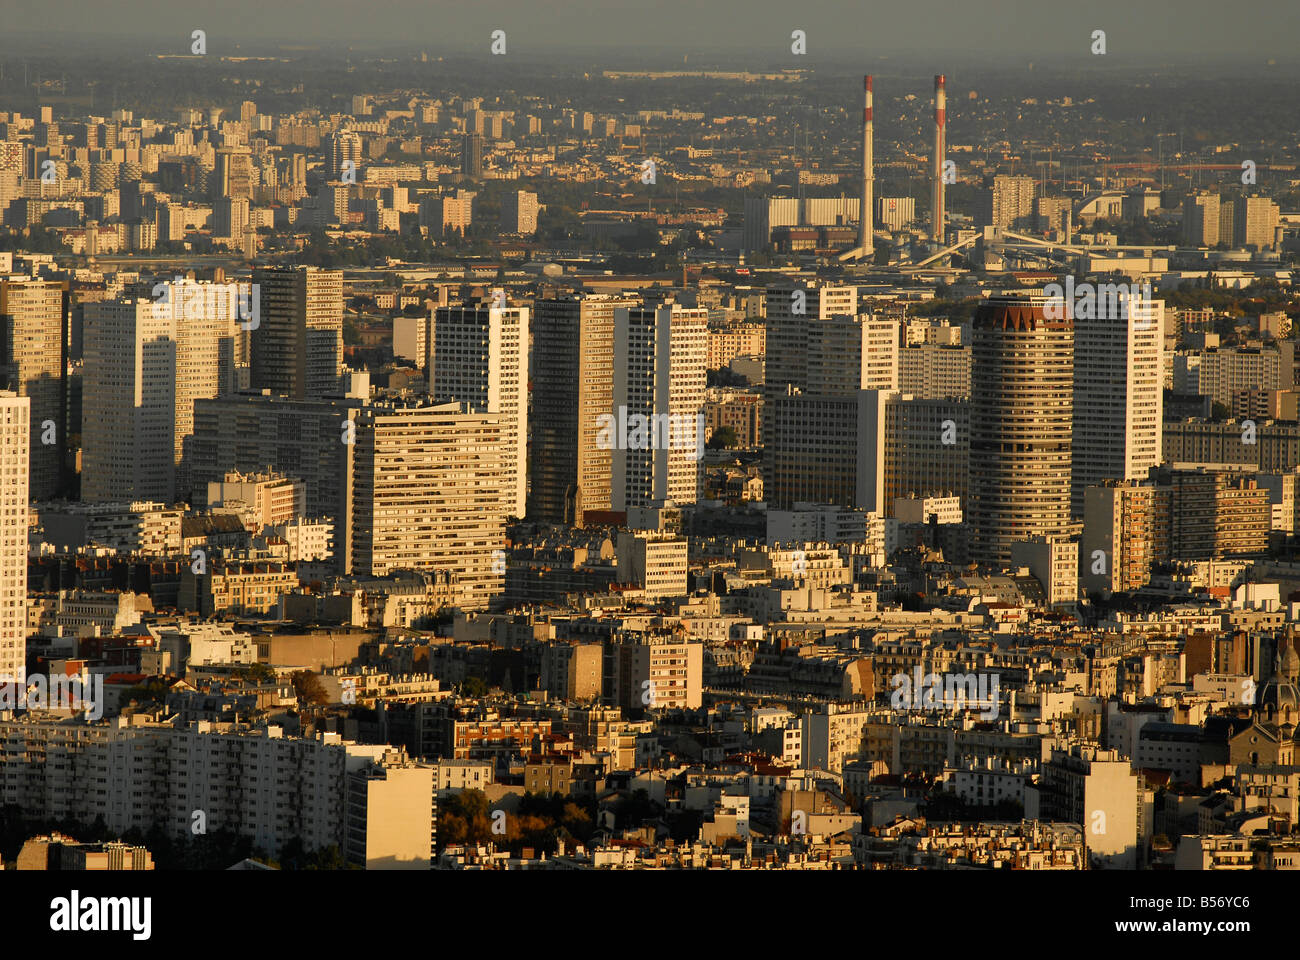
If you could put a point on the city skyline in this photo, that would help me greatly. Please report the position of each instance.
(645, 439)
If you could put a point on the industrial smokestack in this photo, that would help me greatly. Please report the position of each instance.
(866, 242)
(940, 128)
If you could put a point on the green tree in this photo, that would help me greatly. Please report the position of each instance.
(308, 687)
(328, 858)
(293, 856)
(724, 438)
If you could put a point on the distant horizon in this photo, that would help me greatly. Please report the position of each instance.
(1137, 32)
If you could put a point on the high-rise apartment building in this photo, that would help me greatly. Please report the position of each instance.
(1125, 531)
(390, 822)
(32, 362)
(1008, 201)
(1222, 373)
(471, 156)
(479, 356)
(660, 352)
(1216, 511)
(15, 443)
(852, 353)
(146, 363)
(1201, 219)
(570, 474)
(297, 346)
(1254, 223)
(312, 440)
(1227, 220)
(1055, 215)
(789, 313)
(1022, 405)
(1118, 395)
(341, 149)
(1185, 512)
(230, 217)
(519, 213)
(656, 671)
(447, 214)
(210, 342)
(128, 420)
(935, 370)
(827, 365)
(433, 489)
(233, 175)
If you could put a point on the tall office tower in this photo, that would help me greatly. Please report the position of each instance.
(922, 448)
(479, 356)
(297, 346)
(573, 386)
(1022, 400)
(340, 149)
(471, 156)
(128, 402)
(32, 363)
(819, 449)
(307, 438)
(1254, 223)
(233, 176)
(434, 486)
(15, 440)
(659, 373)
(1118, 395)
(519, 213)
(1201, 219)
(1009, 200)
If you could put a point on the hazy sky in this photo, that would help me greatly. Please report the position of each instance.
(1028, 30)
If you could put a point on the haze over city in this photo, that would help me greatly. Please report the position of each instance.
(690, 437)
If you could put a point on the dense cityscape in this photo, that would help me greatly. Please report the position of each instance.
(408, 464)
